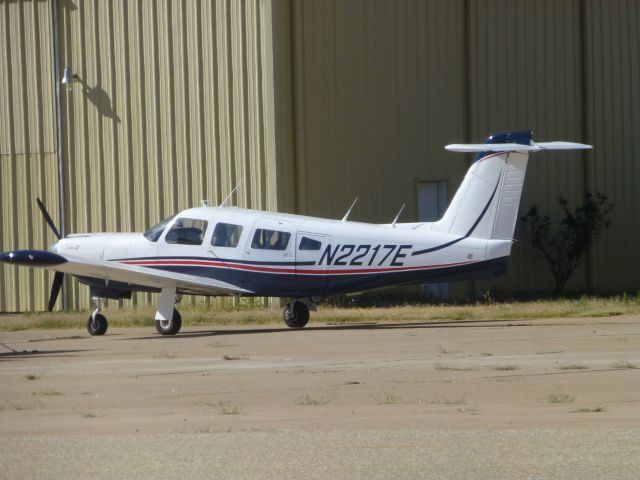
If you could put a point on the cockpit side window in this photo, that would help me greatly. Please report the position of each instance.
(270, 239)
(307, 243)
(226, 235)
(154, 233)
(187, 231)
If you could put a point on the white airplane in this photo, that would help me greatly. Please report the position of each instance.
(234, 251)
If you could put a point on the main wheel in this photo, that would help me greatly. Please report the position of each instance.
(296, 314)
(97, 324)
(170, 327)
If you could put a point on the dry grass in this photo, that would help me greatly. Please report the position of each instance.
(444, 400)
(254, 312)
(47, 393)
(622, 365)
(452, 368)
(318, 400)
(234, 357)
(388, 398)
(596, 409)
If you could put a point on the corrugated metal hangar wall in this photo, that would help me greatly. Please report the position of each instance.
(311, 103)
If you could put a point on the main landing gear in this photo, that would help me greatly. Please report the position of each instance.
(296, 312)
(168, 320)
(169, 327)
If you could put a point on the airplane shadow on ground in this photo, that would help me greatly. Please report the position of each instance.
(328, 328)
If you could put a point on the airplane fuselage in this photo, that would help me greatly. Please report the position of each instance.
(292, 255)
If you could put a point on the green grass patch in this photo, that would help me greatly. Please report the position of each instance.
(623, 365)
(558, 397)
(505, 368)
(573, 366)
(228, 408)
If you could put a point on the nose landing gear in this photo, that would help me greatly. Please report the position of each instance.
(97, 323)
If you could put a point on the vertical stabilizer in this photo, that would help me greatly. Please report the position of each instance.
(486, 204)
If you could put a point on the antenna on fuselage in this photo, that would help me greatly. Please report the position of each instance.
(346, 215)
(393, 225)
(224, 202)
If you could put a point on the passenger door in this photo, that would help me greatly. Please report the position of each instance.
(270, 257)
(310, 276)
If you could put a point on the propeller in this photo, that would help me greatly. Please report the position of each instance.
(58, 278)
(48, 219)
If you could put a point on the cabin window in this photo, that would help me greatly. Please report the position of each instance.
(187, 231)
(226, 235)
(307, 243)
(270, 240)
(154, 233)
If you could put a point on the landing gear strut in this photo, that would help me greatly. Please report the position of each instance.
(296, 313)
(97, 323)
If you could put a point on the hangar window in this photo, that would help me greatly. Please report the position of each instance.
(187, 231)
(270, 239)
(307, 243)
(226, 235)
(153, 234)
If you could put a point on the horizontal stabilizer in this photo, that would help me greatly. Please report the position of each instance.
(515, 147)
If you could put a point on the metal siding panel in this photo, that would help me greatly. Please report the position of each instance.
(521, 79)
(169, 110)
(614, 122)
(370, 77)
(27, 147)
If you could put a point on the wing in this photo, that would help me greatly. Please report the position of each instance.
(118, 272)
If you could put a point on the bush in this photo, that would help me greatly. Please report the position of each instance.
(566, 248)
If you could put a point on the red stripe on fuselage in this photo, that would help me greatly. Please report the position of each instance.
(254, 268)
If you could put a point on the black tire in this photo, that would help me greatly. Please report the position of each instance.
(296, 314)
(170, 327)
(97, 325)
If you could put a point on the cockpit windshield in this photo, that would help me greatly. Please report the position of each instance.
(153, 234)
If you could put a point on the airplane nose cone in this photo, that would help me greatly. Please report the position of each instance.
(32, 258)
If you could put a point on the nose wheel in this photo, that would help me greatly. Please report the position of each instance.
(97, 323)
(296, 314)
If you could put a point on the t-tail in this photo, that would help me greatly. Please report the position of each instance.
(486, 204)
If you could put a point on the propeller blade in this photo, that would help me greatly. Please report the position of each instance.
(47, 217)
(55, 289)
